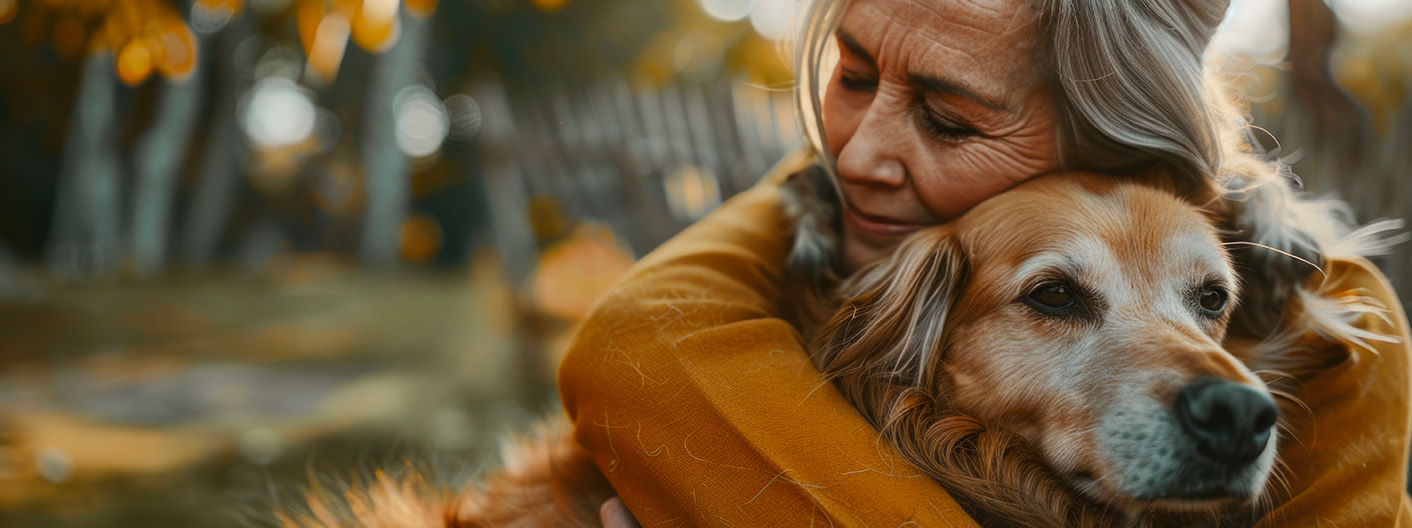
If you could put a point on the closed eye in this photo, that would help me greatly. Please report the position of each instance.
(943, 126)
(855, 82)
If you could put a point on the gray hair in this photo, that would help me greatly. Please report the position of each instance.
(1131, 89)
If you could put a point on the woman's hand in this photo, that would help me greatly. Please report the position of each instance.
(614, 514)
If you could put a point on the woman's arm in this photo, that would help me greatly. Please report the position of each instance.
(701, 406)
(1348, 467)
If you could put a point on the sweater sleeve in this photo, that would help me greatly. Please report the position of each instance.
(701, 407)
(699, 403)
(1347, 460)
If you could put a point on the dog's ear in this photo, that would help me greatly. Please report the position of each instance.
(890, 327)
(812, 273)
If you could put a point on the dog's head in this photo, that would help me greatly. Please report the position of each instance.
(1081, 313)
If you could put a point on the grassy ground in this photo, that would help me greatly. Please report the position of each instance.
(205, 401)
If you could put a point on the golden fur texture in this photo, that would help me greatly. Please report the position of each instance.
(547, 481)
(915, 341)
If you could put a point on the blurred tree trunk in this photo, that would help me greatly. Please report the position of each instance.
(222, 155)
(84, 240)
(501, 148)
(386, 168)
(158, 156)
(1323, 119)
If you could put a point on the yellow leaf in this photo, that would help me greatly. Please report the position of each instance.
(329, 43)
(178, 49)
(134, 62)
(420, 239)
(573, 274)
(8, 10)
(421, 8)
(375, 25)
(308, 14)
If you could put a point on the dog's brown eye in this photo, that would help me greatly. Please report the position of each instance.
(1212, 300)
(1051, 297)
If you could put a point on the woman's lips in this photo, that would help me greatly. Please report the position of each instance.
(879, 228)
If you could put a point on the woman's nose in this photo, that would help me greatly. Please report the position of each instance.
(870, 157)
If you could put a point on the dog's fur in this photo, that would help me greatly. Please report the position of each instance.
(1037, 420)
(1027, 419)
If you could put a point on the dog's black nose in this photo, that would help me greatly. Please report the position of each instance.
(1230, 422)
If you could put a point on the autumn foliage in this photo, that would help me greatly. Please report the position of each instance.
(154, 36)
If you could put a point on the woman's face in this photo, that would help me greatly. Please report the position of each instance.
(935, 106)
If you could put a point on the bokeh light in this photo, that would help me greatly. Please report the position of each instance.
(1371, 16)
(178, 50)
(465, 118)
(8, 10)
(1234, 36)
(134, 62)
(375, 26)
(209, 16)
(691, 192)
(278, 113)
(421, 121)
(772, 18)
(575, 272)
(327, 46)
(727, 10)
(420, 238)
(275, 61)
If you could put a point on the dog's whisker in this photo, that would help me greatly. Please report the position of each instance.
(1276, 250)
(1291, 398)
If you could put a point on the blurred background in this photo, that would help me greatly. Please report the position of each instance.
(243, 242)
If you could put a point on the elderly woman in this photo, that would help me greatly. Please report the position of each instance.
(696, 397)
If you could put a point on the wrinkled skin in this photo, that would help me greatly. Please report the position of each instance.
(935, 105)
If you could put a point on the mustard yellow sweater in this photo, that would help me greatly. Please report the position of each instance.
(699, 403)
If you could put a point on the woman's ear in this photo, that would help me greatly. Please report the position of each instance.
(890, 327)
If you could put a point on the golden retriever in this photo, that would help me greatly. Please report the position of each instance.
(1056, 357)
